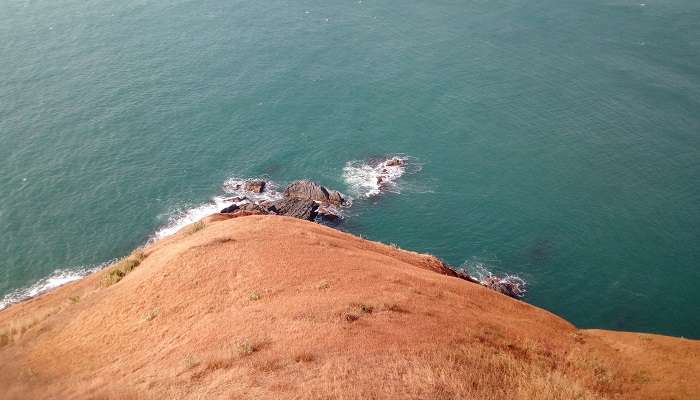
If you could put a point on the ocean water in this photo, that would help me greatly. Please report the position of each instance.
(557, 140)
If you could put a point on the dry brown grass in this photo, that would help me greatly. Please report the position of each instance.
(295, 310)
(254, 296)
(304, 357)
(13, 330)
(466, 371)
(151, 315)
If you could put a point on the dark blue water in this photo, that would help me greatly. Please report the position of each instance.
(558, 140)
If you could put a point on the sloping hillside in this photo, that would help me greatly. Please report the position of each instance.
(274, 307)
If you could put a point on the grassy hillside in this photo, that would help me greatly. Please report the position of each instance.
(274, 307)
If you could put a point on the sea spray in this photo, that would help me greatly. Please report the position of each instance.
(508, 284)
(234, 193)
(58, 278)
(368, 178)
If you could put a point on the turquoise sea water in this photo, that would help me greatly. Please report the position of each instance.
(556, 139)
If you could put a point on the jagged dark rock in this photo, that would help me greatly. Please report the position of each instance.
(306, 189)
(335, 197)
(230, 209)
(303, 199)
(295, 207)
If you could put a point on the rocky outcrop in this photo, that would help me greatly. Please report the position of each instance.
(258, 208)
(297, 208)
(253, 186)
(306, 189)
(245, 207)
(302, 199)
(509, 285)
(291, 207)
(254, 207)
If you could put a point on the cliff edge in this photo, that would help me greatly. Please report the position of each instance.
(275, 307)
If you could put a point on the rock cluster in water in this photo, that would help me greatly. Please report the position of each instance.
(306, 199)
(302, 199)
(509, 285)
(384, 176)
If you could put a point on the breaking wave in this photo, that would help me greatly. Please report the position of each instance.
(182, 217)
(233, 194)
(369, 178)
(57, 278)
(511, 285)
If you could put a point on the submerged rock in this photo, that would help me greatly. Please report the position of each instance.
(256, 186)
(237, 199)
(329, 212)
(306, 189)
(394, 162)
(294, 207)
(509, 285)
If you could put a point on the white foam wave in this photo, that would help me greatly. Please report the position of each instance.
(370, 178)
(234, 187)
(183, 217)
(235, 194)
(57, 278)
(509, 284)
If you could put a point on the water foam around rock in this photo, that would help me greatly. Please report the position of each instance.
(370, 178)
(508, 284)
